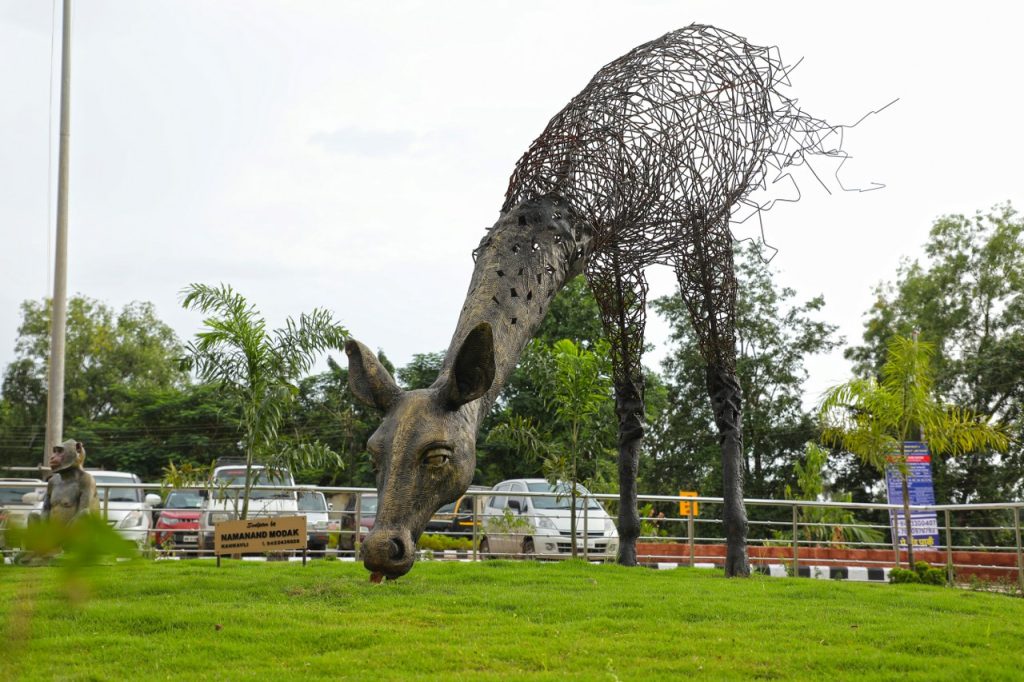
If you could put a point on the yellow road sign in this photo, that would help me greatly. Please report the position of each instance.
(684, 505)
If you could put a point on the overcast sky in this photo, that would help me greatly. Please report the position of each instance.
(348, 155)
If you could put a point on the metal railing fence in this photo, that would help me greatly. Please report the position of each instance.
(979, 538)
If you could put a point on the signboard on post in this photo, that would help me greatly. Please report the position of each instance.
(924, 525)
(685, 505)
(263, 534)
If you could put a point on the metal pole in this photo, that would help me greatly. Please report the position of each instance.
(357, 542)
(1020, 552)
(586, 530)
(949, 550)
(59, 312)
(689, 532)
(476, 535)
(796, 542)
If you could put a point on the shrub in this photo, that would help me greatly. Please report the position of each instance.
(903, 575)
(439, 543)
(923, 573)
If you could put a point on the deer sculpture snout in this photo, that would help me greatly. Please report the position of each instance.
(389, 551)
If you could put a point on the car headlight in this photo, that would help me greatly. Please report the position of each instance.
(169, 521)
(219, 517)
(609, 528)
(132, 520)
(320, 525)
(546, 523)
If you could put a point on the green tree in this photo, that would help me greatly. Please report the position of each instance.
(966, 295)
(327, 410)
(111, 357)
(874, 420)
(774, 336)
(157, 427)
(832, 526)
(257, 371)
(421, 371)
(573, 442)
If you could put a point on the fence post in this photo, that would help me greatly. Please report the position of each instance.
(796, 541)
(106, 504)
(356, 541)
(689, 532)
(1020, 552)
(949, 551)
(476, 534)
(586, 529)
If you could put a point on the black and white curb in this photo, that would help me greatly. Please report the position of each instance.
(852, 573)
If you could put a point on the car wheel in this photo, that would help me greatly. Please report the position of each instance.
(485, 549)
(528, 549)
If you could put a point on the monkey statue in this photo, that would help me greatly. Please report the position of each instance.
(70, 492)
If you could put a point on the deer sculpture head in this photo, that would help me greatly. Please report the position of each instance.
(424, 452)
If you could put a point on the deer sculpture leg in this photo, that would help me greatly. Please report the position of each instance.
(621, 293)
(708, 286)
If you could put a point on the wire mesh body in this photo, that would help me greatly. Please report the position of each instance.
(657, 153)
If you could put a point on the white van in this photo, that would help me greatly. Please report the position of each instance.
(127, 510)
(224, 503)
(517, 525)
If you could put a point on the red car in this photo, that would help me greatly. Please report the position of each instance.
(178, 523)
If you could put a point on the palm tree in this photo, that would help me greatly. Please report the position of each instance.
(874, 420)
(257, 370)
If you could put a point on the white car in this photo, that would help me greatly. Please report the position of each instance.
(223, 499)
(127, 510)
(313, 505)
(20, 498)
(517, 525)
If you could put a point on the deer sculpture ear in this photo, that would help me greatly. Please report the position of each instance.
(369, 381)
(473, 372)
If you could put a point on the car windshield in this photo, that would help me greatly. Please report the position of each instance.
(12, 495)
(312, 502)
(116, 494)
(561, 499)
(183, 500)
(227, 477)
(447, 509)
(368, 505)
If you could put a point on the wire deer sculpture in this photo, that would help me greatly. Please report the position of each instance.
(647, 165)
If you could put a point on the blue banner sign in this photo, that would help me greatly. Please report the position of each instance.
(923, 525)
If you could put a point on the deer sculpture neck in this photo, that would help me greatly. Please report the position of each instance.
(424, 451)
(521, 263)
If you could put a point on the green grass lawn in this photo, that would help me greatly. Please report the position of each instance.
(493, 620)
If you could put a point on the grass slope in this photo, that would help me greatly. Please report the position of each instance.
(495, 620)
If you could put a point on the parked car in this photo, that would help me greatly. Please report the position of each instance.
(455, 518)
(17, 503)
(319, 525)
(128, 510)
(540, 527)
(177, 523)
(223, 502)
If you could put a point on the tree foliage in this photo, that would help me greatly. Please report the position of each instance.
(327, 411)
(966, 295)
(875, 419)
(774, 335)
(256, 370)
(111, 358)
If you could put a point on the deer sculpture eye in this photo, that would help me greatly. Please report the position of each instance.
(436, 456)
